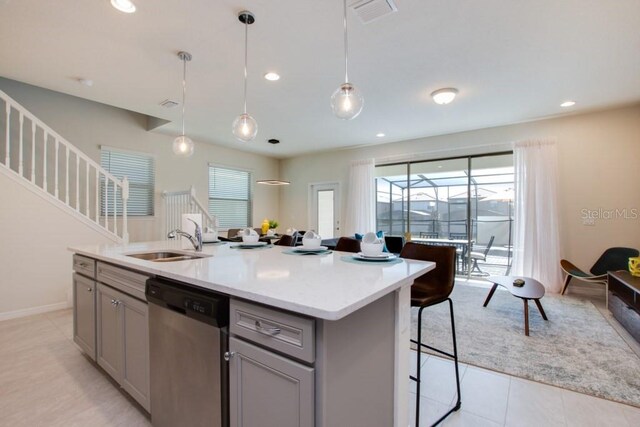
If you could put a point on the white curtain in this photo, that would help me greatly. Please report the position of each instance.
(536, 237)
(361, 211)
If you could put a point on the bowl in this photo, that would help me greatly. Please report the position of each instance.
(210, 236)
(371, 249)
(309, 242)
(250, 239)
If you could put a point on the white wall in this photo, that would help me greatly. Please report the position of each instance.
(599, 157)
(35, 266)
(87, 125)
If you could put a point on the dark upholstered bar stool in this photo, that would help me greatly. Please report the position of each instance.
(348, 244)
(287, 240)
(430, 289)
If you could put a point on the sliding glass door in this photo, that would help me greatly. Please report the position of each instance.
(465, 202)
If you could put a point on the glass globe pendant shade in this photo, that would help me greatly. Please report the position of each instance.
(347, 102)
(183, 146)
(245, 127)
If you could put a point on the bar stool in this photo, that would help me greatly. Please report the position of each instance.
(430, 289)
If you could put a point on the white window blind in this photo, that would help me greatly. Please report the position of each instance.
(140, 170)
(230, 196)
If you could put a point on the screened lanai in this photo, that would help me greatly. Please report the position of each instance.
(466, 200)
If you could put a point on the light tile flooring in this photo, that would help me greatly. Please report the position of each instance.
(46, 381)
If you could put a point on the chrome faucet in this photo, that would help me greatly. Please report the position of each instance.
(196, 239)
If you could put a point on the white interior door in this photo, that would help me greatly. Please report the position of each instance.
(325, 209)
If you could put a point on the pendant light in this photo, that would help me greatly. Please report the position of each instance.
(244, 126)
(346, 101)
(183, 145)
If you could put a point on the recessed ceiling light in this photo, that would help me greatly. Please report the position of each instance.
(271, 76)
(125, 6)
(380, 135)
(85, 82)
(444, 96)
(568, 104)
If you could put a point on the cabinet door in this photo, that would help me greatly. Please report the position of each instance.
(84, 314)
(135, 367)
(268, 390)
(109, 331)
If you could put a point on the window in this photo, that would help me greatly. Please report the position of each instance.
(139, 168)
(230, 196)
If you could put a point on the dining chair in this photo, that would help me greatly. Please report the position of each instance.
(348, 244)
(287, 240)
(394, 244)
(428, 235)
(430, 289)
(233, 232)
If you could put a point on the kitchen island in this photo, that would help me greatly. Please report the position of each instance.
(356, 352)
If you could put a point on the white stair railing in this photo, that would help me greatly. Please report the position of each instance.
(177, 203)
(35, 154)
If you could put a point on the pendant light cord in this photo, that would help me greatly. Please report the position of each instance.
(246, 36)
(184, 90)
(346, 44)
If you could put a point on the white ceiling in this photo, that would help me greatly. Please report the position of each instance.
(512, 60)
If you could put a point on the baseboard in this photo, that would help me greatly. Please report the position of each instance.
(33, 310)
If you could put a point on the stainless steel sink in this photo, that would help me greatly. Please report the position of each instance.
(167, 256)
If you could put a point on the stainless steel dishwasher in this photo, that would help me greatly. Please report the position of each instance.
(188, 336)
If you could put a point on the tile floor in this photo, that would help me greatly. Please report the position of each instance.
(46, 381)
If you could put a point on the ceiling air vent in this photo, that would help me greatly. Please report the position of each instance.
(167, 103)
(370, 10)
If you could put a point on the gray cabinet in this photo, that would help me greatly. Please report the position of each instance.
(123, 341)
(268, 390)
(84, 314)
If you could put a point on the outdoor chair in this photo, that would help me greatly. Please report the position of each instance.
(611, 260)
(481, 256)
(427, 290)
(425, 235)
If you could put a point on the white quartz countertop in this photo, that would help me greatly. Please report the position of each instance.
(324, 287)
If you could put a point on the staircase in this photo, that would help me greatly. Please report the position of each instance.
(42, 161)
(177, 203)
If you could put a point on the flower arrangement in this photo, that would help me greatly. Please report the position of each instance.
(273, 224)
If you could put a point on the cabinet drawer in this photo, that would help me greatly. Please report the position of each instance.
(84, 265)
(127, 281)
(628, 317)
(287, 333)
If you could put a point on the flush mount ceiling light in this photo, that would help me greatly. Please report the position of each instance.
(444, 96)
(244, 126)
(271, 76)
(380, 135)
(272, 182)
(125, 6)
(183, 145)
(346, 101)
(568, 104)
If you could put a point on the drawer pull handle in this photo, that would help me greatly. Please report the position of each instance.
(266, 331)
(89, 289)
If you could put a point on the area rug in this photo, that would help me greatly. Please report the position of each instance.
(576, 349)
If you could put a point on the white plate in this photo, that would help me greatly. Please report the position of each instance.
(308, 249)
(252, 244)
(379, 257)
(210, 241)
